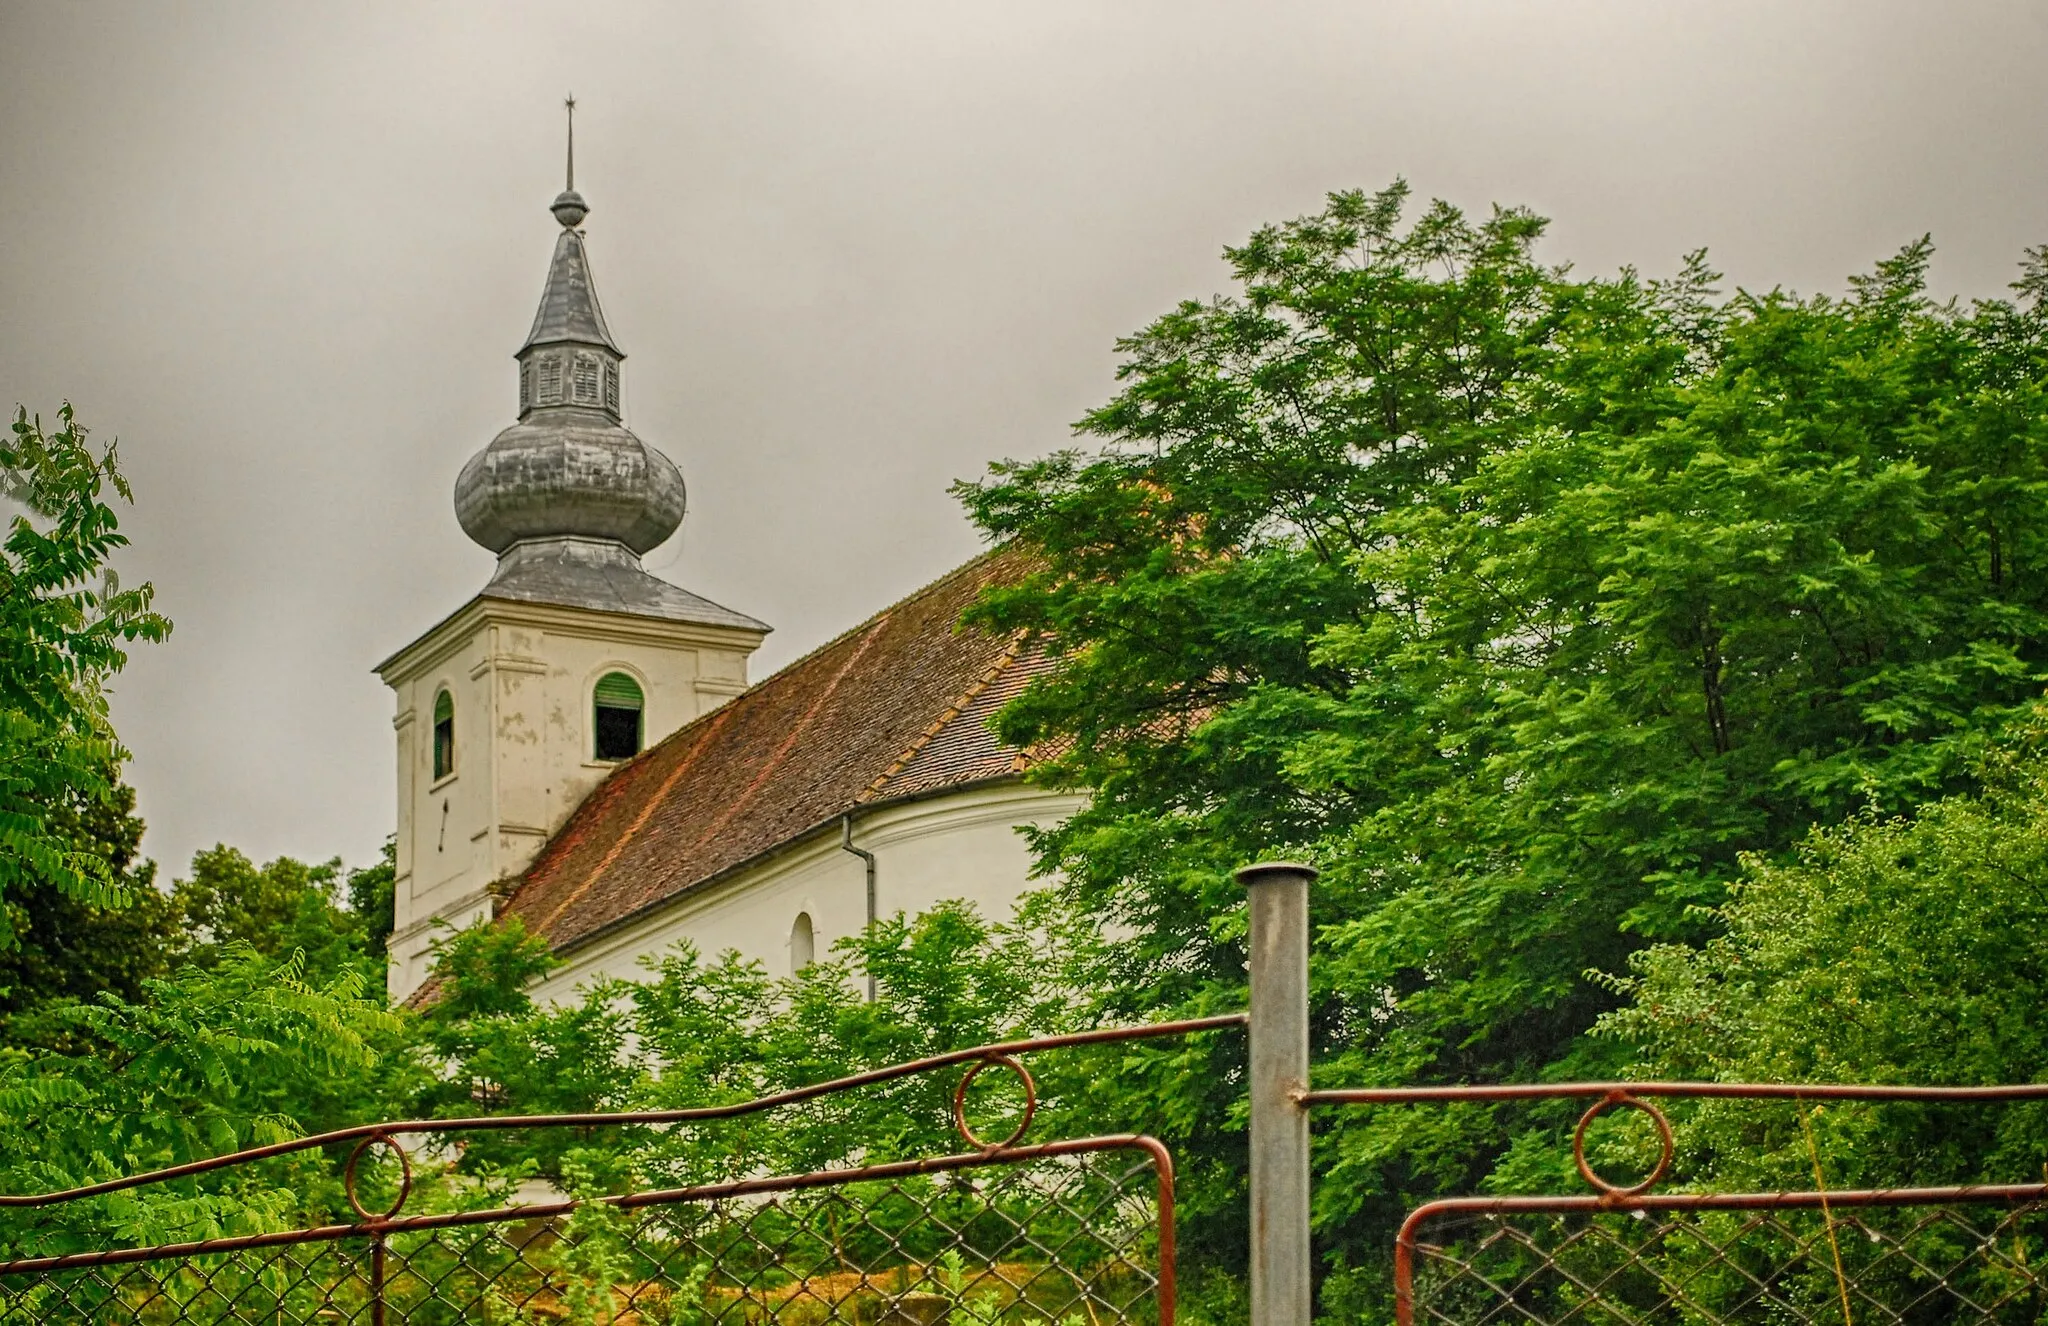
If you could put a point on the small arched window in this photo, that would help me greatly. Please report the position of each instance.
(803, 943)
(444, 735)
(616, 705)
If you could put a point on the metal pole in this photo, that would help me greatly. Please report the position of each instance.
(1279, 1074)
(377, 1280)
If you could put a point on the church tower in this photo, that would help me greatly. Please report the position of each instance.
(572, 658)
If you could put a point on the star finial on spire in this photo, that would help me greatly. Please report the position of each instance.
(569, 207)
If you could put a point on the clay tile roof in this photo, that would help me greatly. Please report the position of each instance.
(895, 707)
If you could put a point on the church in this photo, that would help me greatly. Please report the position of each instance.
(580, 745)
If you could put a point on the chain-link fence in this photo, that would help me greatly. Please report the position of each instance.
(1627, 1253)
(1075, 1232)
(1069, 1234)
(1977, 1262)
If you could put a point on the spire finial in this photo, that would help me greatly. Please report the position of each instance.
(568, 206)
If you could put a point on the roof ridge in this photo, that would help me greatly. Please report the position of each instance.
(890, 609)
(945, 719)
(797, 730)
(849, 633)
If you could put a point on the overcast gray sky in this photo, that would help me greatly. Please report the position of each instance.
(854, 250)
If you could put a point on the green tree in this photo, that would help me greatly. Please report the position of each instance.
(498, 1051)
(139, 1028)
(244, 1051)
(373, 893)
(1525, 605)
(69, 952)
(286, 906)
(1887, 949)
(698, 1032)
(944, 980)
(64, 623)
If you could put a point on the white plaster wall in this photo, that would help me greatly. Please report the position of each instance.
(542, 739)
(521, 678)
(958, 845)
(442, 824)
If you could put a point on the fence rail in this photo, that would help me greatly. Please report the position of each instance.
(1074, 1230)
(1626, 1253)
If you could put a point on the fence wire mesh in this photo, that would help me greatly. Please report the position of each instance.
(1904, 1264)
(1071, 1232)
(1626, 1253)
(1065, 1239)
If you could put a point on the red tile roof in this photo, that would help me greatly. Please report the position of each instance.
(896, 707)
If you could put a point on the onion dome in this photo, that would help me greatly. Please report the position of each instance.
(569, 469)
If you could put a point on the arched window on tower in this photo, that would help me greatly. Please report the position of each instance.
(615, 717)
(444, 735)
(803, 944)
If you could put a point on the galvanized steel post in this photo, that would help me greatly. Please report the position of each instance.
(1279, 1074)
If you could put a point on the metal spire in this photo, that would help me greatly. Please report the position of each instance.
(569, 207)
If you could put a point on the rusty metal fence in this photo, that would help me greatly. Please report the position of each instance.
(1943, 1263)
(1073, 1232)
(1625, 1252)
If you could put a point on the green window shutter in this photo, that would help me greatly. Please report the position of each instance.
(444, 735)
(615, 690)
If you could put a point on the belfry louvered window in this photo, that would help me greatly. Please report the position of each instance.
(526, 386)
(616, 703)
(444, 735)
(611, 386)
(586, 379)
(551, 381)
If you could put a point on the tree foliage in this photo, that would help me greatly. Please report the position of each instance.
(245, 1051)
(1887, 949)
(238, 1048)
(373, 893)
(68, 952)
(227, 902)
(1525, 605)
(245, 1005)
(697, 1031)
(65, 621)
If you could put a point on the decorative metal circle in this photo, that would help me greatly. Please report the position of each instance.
(1600, 1107)
(348, 1176)
(960, 1102)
